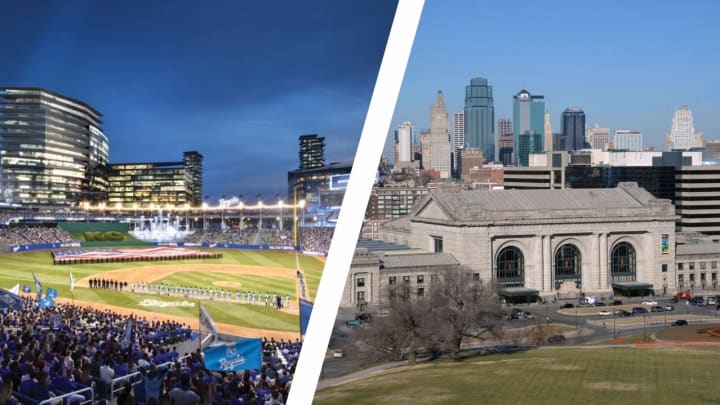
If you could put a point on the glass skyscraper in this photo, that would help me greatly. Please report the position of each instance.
(480, 117)
(573, 128)
(53, 151)
(528, 125)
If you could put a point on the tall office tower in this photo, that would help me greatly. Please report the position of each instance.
(312, 151)
(528, 125)
(440, 138)
(598, 137)
(548, 130)
(504, 127)
(193, 177)
(404, 142)
(480, 117)
(682, 135)
(573, 128)
(53, 151)
(458, 140)
(425, 148)
(628, 140)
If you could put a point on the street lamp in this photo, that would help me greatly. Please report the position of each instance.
(614, 332)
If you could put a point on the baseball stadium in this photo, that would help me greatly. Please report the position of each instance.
(157, 290)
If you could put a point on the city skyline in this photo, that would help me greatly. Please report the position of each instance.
(238, 83)
(621, 76)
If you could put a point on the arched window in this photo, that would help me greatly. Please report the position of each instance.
(510, 267)
(568, 265)
(623, 262)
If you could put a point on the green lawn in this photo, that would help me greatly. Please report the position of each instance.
(18, 268)
(681, 375)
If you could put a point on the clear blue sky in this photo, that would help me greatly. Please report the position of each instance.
(238, 81)
(627, 64)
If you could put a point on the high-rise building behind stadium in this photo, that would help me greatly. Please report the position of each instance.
(193, 177)
(157, 183)
(53, 151)
(312, 151)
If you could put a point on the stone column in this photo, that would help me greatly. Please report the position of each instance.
(604, 265)
(537, 261)
(596, 262)
(547, 264)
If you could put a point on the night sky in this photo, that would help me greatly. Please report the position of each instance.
(237, 81)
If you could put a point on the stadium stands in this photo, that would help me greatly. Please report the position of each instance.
(81, 355)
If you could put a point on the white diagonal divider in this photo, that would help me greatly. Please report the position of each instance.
(347, 230)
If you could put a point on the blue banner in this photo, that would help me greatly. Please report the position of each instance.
(51, 292)
(305, 311)
(10, 300)
(244, 354)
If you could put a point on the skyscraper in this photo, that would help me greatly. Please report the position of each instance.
(458, 138)
(504, 143)
(54, 151)
(628, 140)
(682, 134)
(480, 117)
(528, 125)
(598, 137)
(312, 151)
(440, 138)
(193, 177)
(548, 132)
(404, 139)
(573, 128)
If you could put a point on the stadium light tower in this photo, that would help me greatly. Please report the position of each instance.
(241, 205)
(280, 204)
(204, 208)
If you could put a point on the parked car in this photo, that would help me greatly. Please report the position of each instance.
(528, 315)
(617, 302)
(657, 309)
(338, 354)
(352, 323)
(568, 305)
(556, 339)
(639, 311)
(604, 312)
(668, 307)
(364, 317)
(600, 304)
(683, 295)
(680, 322)
(650, 303)
(516, 313)
(622, 313)
(697, 301)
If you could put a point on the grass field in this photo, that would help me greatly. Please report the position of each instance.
(18, 268)
(618, 375)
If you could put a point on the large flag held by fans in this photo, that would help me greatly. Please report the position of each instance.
(207, 325)
(305, 311)
(10, 300)
(244, 354)
(127, 335)
(38, 287)
(72, 282)
(15, 290)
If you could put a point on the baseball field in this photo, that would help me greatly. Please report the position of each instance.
(262, 271)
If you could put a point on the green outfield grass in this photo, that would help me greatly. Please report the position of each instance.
(619, 375)
(18, 268)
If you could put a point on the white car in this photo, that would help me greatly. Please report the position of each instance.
(604, 313)
(651, 303)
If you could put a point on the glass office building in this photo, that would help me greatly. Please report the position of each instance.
(479, 117)
(53, 152)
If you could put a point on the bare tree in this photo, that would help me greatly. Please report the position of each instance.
(463, 307)
(403, 331)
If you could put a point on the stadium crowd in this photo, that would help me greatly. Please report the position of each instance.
(33, 235)
(48, 352)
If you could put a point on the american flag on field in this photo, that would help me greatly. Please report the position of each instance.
(87, 254)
